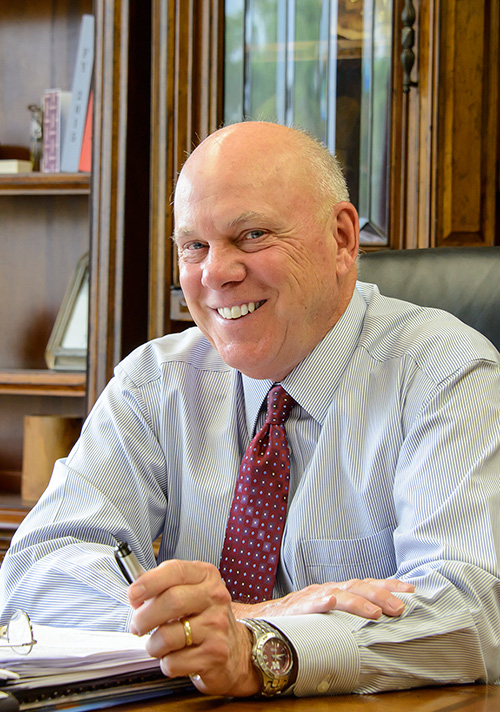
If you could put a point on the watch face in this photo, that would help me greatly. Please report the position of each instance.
(276, 656)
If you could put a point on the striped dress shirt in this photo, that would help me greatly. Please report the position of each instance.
(395, 471)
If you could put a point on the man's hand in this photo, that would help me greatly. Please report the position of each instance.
(369, 598)
(220, 653)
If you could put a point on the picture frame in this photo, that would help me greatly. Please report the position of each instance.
(68, 343)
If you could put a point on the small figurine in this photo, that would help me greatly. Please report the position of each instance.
(36, 135)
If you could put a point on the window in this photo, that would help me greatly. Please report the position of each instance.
(325, 66)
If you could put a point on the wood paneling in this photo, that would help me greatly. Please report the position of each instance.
(415, 140)
(446, 129)
(467, 117)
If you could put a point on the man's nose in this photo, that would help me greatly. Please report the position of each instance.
(223, 266)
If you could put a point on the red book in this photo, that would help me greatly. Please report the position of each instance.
(85, 164)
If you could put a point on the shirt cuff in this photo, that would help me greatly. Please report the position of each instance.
(327, 653)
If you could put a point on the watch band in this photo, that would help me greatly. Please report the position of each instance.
(279, 673)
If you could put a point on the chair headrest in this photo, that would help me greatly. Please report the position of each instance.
(462, 280)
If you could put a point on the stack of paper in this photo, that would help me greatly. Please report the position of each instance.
(79, 654)
(82, 665)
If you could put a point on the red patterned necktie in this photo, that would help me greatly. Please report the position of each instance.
(251, 548)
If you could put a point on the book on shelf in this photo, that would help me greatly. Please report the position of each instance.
(80, 90)
(14, 165)
(85, 164)
(55, 104)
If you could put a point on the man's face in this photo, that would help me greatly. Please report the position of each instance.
(258, 261)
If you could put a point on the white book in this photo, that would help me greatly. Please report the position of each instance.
(82, 77)
(13, 165)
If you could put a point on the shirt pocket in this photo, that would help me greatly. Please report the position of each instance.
(327, 560)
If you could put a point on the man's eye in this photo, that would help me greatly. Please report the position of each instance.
(254, 234)
(193, 246)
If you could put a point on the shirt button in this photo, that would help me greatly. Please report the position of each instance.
(323, 686)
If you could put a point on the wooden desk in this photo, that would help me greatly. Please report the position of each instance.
(462, 698)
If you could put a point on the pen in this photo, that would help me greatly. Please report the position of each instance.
(127, 561)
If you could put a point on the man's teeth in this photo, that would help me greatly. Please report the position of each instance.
(236, 312)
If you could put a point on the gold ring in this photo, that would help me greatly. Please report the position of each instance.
(188, 633)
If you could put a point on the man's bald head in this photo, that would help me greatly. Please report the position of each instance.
(284, 146)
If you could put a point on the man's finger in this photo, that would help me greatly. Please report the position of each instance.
(173, 572)
(378, 592)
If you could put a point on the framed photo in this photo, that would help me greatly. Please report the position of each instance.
(68, 344)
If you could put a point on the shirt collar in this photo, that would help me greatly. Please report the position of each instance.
(255, 393)
(314, 381)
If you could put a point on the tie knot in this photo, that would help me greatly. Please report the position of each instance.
(279, 404)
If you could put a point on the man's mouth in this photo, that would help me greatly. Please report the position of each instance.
(239, 311)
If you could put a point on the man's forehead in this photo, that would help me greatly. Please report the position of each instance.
(240, 154)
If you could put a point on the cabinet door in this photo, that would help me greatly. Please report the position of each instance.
(448, 136)
(467, 77)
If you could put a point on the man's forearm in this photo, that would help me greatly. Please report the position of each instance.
(441, 638)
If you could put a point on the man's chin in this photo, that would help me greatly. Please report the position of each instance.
(248, 362)
(244, 359)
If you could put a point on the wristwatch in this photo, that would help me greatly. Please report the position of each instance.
(272, 656)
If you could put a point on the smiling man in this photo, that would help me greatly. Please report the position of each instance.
(287, 265)
(370, 559)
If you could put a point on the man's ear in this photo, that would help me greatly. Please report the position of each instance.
(346, 226)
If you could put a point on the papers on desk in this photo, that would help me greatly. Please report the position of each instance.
(89, 669)
(79, 652)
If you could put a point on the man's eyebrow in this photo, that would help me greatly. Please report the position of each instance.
(248, 216)
(181, 232)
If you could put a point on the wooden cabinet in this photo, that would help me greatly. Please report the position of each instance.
(12, 513)
(446, 149)
(119, 230)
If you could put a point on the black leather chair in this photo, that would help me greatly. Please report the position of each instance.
(462, 280)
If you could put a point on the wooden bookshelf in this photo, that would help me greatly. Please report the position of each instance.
(44, 228)
(48, 221)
